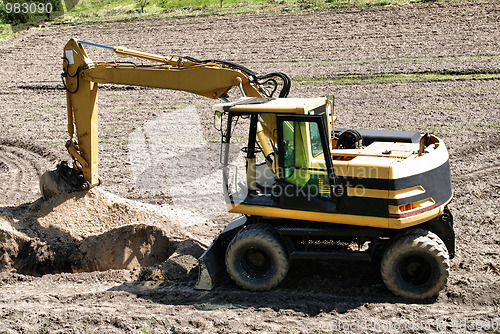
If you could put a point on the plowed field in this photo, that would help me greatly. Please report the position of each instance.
(429, 67)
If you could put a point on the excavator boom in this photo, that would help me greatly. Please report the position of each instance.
(81, 77)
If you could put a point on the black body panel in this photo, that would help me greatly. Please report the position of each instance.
(436, 182)
(296, 198)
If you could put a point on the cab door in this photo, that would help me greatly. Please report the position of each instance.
(306, 177)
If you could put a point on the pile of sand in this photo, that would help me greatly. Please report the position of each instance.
(96, 230)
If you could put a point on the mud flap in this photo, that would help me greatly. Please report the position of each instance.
(212, 261)
(443, 227)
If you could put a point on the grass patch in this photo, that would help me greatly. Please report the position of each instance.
(5, 31)
(76, 11)
(329, 4)
(105, 10)
(390, 78)
(378, 60)
(115, 10)
(203, 3)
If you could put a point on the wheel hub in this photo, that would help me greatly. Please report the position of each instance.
(415, 270)
(257, 259)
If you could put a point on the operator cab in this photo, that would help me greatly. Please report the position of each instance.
(296, 172)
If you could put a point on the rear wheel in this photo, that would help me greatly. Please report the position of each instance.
(416, 265)
(256, 258)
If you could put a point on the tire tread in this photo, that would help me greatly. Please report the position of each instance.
(268, 234)
(422, 240)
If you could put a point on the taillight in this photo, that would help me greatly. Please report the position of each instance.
(406, 207)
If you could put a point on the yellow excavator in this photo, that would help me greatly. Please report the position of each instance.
(310, 190)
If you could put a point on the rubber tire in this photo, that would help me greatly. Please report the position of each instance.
(269, 246)
(417, 245)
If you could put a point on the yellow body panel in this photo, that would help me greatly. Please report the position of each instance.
(373, 165)
(369, 221)
(370, 162)
(310, 215)
(416, 164)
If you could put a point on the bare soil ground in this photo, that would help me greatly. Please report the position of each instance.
(134, 221)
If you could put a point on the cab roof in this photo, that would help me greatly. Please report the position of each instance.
(299, 106)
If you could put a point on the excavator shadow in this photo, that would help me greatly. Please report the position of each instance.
(311, 287)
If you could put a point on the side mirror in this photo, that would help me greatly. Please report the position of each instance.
(218, 120)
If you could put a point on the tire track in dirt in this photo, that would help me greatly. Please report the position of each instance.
(101, 295)
(479, 172)
(19, 172)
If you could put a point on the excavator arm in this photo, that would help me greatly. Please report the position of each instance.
(81, 76)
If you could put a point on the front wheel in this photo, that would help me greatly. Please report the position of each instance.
(256, 258)
(416, 266)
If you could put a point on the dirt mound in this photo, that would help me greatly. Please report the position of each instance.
(125, 247)
(92, 231)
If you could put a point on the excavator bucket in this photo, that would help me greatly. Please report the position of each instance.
(60, 180)
(50, 184)
(211, 266)
(212, 261)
